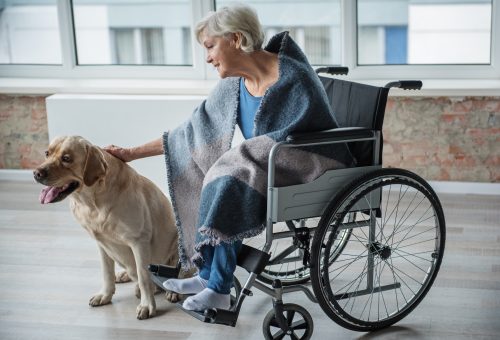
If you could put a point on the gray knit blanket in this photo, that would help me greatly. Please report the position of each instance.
(218, 192)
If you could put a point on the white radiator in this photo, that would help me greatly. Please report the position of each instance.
(125, 120)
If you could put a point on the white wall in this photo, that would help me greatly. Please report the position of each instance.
(125, 120)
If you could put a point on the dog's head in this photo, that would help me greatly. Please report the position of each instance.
(71, 163)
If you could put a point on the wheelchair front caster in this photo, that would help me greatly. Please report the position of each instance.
(295, 322)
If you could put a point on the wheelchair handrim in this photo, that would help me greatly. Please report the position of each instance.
(342, 311)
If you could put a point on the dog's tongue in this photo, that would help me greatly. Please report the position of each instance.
(48, 194)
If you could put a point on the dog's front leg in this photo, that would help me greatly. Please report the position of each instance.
(108, 288)
(147, 307)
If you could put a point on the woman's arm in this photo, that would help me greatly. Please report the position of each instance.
(153, 148)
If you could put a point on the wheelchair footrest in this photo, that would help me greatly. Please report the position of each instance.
(160, 273)
(164, 270)
(158, 280)
(214, 315)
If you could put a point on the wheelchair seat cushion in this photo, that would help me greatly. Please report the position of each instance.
(218, 192)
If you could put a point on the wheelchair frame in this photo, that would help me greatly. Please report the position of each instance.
(315, 199)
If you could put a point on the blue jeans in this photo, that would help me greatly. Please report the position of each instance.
(219, 266)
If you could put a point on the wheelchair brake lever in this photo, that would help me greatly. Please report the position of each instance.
(302, 241)
(306, 260)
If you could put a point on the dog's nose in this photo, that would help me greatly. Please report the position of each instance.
(40, 174)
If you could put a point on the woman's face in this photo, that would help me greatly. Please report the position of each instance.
(222, 53)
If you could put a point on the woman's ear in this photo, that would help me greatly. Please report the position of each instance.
(238, 39)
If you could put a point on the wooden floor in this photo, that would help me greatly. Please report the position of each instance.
(49, 267)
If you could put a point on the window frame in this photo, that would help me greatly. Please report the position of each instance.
(70, 68)
(201, 71)
(427, 71)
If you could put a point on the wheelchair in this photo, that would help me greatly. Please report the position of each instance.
(368, 240)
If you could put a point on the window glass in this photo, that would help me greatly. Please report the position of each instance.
(126, 32)
(424, 32)
(29, 32)
(314, 25)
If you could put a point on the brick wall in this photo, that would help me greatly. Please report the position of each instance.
(442, 138)
(23, 131)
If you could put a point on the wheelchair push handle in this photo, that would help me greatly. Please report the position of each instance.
(405, 84)
(334, 70)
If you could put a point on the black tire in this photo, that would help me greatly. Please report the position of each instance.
(301, 327)
(397, 244)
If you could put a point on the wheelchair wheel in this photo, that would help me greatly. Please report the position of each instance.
(287, 261)
(297, 318)
(392, 256)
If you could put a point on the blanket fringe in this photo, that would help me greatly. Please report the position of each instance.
(215, 237)
(183, 258)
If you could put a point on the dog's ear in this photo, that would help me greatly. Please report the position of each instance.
(95, 166)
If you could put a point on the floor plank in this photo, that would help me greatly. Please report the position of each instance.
(49, 267)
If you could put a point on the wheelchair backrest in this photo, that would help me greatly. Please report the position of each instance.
(357, 105)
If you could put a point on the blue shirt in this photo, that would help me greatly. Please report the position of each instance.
(247, 108)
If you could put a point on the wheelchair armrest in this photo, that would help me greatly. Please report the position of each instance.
(332, 135)
(334, 70)
(405, 84)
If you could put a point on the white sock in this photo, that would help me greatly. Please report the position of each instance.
(206, 299)
(193, 285)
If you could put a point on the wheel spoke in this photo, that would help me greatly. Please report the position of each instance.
(396, 226)
(360, 277)
(394, 209)
(411, 227)
(345, 267)
(408, 276)
(370, 299)
(406, 239)
(414, 254)
(382, 293)
(289, 317)
(394, 274)
(301, 324)
(279, 335)
(422, 270)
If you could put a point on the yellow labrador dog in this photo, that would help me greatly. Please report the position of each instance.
(129, 217)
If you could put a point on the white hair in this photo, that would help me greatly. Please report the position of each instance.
(236, 18)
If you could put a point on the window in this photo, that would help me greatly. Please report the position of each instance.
(314, 25)
(29, 32)
(137, 46)
(424, 32)
(152, 32)
(153, 39)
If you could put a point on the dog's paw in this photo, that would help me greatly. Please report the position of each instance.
(145, 312)
(100, 300)
(122, 277)
(172, 296)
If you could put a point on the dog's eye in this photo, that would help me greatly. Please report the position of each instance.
(46, 154)
(66, 158)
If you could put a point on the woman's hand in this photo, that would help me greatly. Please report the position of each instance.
(153, 148)
(124, 154)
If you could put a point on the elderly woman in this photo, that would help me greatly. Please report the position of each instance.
(218, 190)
